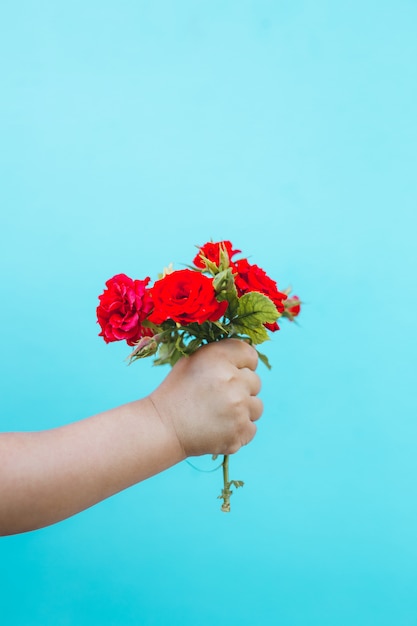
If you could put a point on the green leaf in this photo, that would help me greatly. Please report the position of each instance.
(165, 353)
(255, 309)
(236, 483)
(222, 280)
(224, 285)
(256, 335)
(221, 327)
(210, 267)
(224, 258)
(264, 359)
(154, 327)
(193, 345)
(175, 357)
(232, 308)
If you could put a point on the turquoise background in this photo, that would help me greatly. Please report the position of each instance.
(131, 131)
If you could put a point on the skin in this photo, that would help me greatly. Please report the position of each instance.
(206, 405)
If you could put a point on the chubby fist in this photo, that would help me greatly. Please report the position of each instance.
(209, 399)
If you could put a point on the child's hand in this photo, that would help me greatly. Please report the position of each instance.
(209, 399)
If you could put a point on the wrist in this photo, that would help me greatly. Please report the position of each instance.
(168, 433)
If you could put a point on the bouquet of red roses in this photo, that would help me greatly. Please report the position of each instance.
(215, 298)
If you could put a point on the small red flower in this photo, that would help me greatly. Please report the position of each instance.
(185, 296)
(293, 307)
(123, 307)
(211, 251)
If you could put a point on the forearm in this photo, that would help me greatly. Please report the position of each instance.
(49, 475)
(206, 405)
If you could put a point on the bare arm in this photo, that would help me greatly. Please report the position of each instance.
(206, 405)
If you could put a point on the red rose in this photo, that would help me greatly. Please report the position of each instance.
(185, 296)
(211, 251)
(293, 307)
(123, 307)
(253, 278)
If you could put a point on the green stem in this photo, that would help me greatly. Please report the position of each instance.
(226, 493)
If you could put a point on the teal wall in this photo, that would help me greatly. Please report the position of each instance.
(133, 130)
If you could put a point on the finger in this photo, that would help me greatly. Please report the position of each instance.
(256, 408)
(241, 353)
(251, 380)
(250, 433)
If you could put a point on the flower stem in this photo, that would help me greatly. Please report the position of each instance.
(226, 493)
